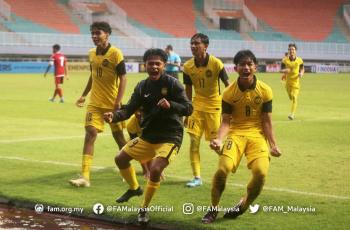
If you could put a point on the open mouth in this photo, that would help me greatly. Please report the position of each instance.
(246, 74)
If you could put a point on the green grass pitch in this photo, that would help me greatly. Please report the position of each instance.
(41, 145)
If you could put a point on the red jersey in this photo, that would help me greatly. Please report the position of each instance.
(59, 62)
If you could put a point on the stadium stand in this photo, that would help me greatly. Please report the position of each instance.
(138, 25)
(19, 24)
(173, 17)
(311, 20)
(216, 33)
(45, 16)
(269, 34)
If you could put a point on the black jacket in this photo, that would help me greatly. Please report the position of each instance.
(158, 125)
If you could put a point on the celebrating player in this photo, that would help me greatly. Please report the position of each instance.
(163, 102)
(203, 72)
(246, 123)
(107, 85)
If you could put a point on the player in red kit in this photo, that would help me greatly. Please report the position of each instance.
(59, 61)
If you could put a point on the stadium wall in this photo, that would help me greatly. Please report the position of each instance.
(40, 67)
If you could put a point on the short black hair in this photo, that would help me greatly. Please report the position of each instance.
(244, 54)
(104, 26)
(292, 45)
(56, 47)
(169, 47)
(155, 52)
(204, 38)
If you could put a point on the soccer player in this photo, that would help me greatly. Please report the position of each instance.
(174, 62)
(106, 86)
(203, 72)
(59, 61)
(163, 102)
(293, 68)
(246, 123)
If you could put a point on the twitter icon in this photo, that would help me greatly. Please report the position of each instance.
(254, 208)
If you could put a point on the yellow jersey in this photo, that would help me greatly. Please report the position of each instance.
(206, 84)
(294, 66)
(246, 107)
(104, 72)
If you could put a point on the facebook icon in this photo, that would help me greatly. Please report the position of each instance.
(98, 208)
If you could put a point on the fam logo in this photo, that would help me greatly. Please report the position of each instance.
(105, 62)
(257, 100)
(164, 91)
(208, 73)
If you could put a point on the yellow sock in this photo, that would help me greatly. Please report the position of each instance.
(196, 169)
(151, 188)
(130, 177)
(86, 165)
(195, 156)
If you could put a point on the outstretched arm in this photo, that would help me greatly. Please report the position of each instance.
(269, 134)
(81, 100)
(180, 104)
(127, 110)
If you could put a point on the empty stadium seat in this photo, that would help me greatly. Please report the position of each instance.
(173, 17)
(45, 14)
(302, 20)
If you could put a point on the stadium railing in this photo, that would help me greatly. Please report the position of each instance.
(78, 45)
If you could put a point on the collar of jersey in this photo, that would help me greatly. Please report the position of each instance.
(103, 51)
(205, 63)
(251, 87)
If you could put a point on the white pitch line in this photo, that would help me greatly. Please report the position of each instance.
(46, 138)
(280, 190)
(47, 162)
(185, 178)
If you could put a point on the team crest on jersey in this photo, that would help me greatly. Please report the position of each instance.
(164, 91)
(105, 62)
(257, 100)
(208, 73)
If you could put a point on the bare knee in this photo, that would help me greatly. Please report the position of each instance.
(156, 171)
(157, 167)
(119, 138)
(90, 134)
(122, 160)
(260, 173)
